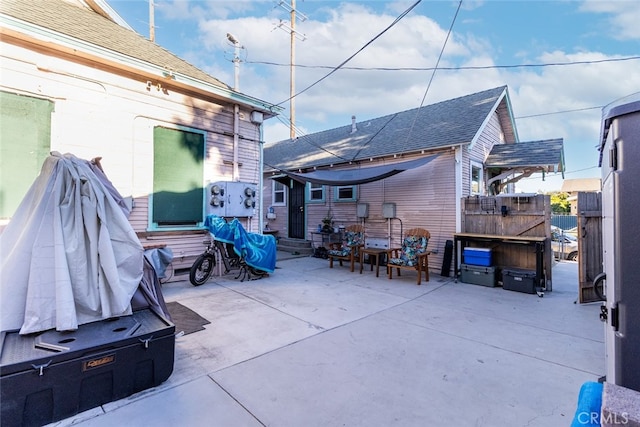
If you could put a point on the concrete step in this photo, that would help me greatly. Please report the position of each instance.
(299, 246)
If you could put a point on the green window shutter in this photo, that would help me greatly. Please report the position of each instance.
(25, 143)
(178, 167)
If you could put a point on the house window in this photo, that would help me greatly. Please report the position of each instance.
(315, 192)
(25, 142)
(477, 186)
(178, 169)
(279, 193)
(345, 193)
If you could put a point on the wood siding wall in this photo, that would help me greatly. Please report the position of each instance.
(424, 197)
(479, 151)
(102, 114)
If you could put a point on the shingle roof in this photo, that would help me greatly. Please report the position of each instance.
(73, 20)
(447, 123)
(548, 154)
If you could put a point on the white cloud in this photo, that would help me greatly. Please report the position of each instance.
(336, 33)
(623, 21)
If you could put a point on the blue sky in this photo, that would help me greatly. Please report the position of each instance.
(548, 101)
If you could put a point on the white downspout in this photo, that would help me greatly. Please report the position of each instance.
(260, 181)
(236, 131)
(458, 174)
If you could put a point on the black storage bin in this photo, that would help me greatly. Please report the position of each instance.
(53, 375)
(519, 280)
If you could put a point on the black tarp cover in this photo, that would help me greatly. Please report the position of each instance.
(358, 176)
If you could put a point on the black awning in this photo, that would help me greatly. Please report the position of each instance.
(355, 176)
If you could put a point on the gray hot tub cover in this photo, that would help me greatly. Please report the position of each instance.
(69, 254)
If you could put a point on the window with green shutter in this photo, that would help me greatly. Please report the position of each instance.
(25, 143)
(178, 166)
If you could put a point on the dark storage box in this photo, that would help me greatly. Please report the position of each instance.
(52, 375)
(520, 280)
(477, 256)
(478, 275)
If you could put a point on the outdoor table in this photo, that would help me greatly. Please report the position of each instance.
(537, 242)
(372, 252)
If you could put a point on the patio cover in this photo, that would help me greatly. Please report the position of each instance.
(357, 176)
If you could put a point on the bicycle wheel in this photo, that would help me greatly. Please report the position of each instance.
(201, 269)
(599, 286)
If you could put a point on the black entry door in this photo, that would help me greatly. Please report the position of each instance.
(296, 210)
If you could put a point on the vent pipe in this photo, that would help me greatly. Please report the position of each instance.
(353, 124)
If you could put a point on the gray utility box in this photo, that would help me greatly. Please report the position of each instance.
(519, 279)
(478, 275)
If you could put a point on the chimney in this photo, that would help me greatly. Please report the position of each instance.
(353, 124)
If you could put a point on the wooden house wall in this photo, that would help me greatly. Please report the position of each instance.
(424, 197)
(479, 151)
(102, 114)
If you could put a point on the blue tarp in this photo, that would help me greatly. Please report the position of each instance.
(257, 250)
(589, 405)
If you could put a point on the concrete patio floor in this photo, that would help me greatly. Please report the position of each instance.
(313, 346)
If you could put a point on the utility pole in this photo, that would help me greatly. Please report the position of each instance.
(236, 61)
(292, 72)
(152, 27)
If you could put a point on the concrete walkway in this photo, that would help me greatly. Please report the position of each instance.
(313, 346)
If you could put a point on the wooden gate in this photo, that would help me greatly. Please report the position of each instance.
(589, 244)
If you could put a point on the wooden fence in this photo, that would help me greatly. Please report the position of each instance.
(512, 215)
(589, 243)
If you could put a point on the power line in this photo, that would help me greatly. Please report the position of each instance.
(433, 73)
(461, 68)
(395, 21)
(558, 112)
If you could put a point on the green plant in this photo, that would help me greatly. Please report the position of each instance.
(327, 221)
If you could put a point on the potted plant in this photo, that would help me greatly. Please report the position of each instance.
(327, 223)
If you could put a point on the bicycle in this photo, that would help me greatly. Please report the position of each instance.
(205, 263)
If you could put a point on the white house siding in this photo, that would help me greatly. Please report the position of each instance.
(479, 151)
(424, 197)
(101, 114)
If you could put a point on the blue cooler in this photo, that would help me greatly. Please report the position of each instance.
(477, 256)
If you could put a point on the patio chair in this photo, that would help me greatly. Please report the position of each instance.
(349, 249)
(413, 255)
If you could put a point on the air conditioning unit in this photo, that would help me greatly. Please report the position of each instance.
(231, 199)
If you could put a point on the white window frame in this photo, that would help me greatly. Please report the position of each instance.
(476, 165)
(312, 188)
(354, 194)
(275, 190)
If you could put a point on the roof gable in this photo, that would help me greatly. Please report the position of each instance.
(520, 160)
(547, 154)
(86, 25)
(443, 124)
